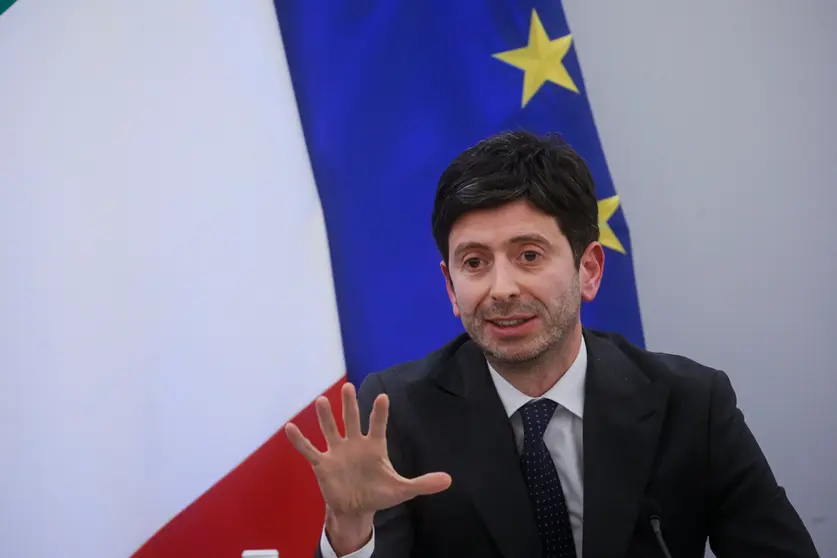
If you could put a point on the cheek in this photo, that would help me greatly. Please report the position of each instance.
(467, 302)
(551, 286)
(470, 293)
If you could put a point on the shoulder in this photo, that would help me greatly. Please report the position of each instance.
(405, 375)
(682, 375)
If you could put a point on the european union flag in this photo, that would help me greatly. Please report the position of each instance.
(389, 93)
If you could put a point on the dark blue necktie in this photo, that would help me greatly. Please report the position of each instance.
(545, 490)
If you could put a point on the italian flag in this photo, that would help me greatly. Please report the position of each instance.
(166, 290)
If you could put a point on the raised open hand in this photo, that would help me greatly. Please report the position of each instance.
(355, 474)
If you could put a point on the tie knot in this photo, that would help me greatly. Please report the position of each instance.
(536, 416)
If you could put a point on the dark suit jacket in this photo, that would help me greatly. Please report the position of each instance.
(657, 428)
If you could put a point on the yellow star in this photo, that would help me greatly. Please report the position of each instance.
(607, 207)
(541, 60)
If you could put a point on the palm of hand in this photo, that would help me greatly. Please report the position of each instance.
(357, 477)
(355, 474)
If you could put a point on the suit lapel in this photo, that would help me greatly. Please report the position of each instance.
(483, 457)
(623, 414)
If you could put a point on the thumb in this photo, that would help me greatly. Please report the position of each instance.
(431, 483)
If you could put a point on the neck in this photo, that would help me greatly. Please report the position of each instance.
(536, 377)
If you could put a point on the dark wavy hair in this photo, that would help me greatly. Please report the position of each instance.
(512, 166)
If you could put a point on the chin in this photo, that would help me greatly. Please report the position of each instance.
(526, 352)
(519, 358)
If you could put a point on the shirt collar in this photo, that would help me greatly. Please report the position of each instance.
(568, 392)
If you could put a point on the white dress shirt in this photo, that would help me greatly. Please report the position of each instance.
(563, 438)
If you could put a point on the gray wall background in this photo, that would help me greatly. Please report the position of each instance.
(719, 120)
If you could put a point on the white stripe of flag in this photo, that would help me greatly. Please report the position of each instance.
(166, 295)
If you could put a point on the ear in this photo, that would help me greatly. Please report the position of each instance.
(449, 287)
(590, 271)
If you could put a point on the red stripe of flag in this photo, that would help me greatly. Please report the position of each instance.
(270, 500)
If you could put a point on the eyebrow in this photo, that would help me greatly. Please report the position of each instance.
(466, 247)
(519, 239)
(532, 237)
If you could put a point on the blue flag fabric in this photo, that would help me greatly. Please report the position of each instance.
(389, 93)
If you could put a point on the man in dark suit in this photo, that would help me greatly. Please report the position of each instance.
(529, 435)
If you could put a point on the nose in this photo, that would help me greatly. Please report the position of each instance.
(504, 286)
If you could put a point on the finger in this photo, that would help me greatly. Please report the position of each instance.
(431, 483)
(378, 417)
(351, 415)
(302, 444)
(327, 424)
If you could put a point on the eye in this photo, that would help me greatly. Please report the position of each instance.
(530, 256)
(473, 263)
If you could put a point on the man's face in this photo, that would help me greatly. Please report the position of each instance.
(512, 280)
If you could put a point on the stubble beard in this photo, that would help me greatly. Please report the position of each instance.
(558, 321)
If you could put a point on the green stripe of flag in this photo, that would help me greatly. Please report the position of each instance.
(5, 4)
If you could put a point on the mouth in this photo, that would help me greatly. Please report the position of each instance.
(511, 324)
(506, 322)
